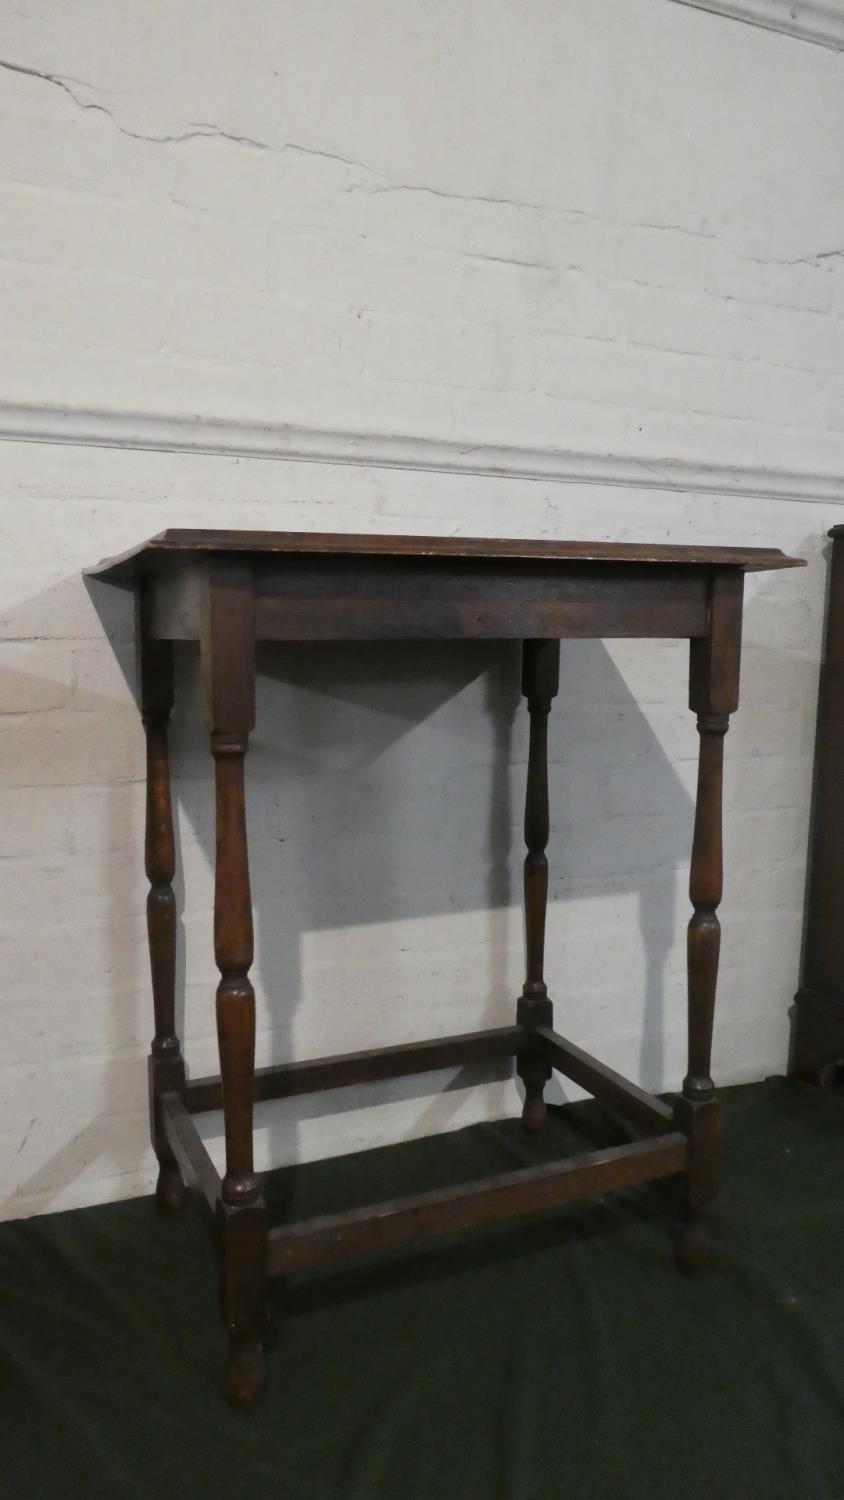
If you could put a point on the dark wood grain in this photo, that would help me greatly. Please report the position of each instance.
(817, 1043)
(166, 1069)
(540, 681)
(377, 598)
(713, 696)
(195, 1164)
(176, 546)
(380, 598)
(313, 1075)
(228, 672)
(634, 1103)
(450, 1210)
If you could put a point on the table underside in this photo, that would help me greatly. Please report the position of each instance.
(387, 1225)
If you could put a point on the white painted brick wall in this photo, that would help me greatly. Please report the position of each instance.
(615, 228)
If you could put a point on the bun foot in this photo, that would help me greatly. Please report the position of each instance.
(246, 1373)
(169, 1190)
(533, 1114)
(693, 1249)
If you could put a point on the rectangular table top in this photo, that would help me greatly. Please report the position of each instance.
(175, 548)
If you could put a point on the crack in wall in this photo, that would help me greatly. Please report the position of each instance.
(27, 1133)
(506, 260)
(135, 135)
(198, 130)
(386, 186)
(379, 182)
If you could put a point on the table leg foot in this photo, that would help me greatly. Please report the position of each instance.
(243, 1289)
(246, 1372)
(533, 1116)
(700, 1120)
(170, 1190)
(693, 1249)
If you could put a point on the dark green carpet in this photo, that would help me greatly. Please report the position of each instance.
(565, 1357)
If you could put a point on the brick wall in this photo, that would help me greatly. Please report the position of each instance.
(595, 253)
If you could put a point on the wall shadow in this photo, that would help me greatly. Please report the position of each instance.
(127, 1027)
(386, 788)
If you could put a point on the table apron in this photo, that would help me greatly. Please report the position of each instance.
(331, 599)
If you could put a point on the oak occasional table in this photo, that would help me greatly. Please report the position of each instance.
(229, 589)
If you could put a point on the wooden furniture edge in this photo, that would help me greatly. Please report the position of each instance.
(635, 1103)
(313, 1075)
(386, 1226)
(189, 1151)
(176, 546)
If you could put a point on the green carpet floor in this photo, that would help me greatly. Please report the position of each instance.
(562, 1357)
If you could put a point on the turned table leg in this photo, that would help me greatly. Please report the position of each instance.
(540, 680)
(713, 696)
(166, 1067)
(228, 661)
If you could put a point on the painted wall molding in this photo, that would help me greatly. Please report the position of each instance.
(809, 20)
(150, 432)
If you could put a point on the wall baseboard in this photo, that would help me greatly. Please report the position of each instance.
(145, 431)
(808, 20)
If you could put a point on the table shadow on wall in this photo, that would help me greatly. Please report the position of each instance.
(120, 1070)
(385, 787)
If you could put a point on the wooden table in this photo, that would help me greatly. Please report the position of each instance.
(229, 589)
